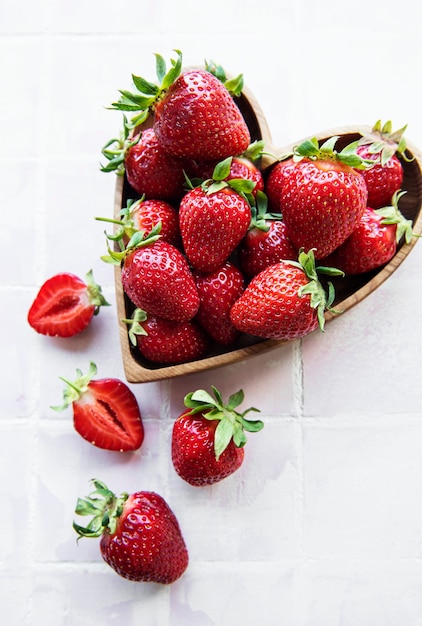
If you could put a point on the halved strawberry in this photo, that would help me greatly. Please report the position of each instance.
(105, 411)
(65, 305)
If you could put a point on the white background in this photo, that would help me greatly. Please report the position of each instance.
(322, 525)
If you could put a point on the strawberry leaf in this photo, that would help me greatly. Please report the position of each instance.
(232, 425)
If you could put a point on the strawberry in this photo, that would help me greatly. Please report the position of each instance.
(385, 177)
(323, 197)
(65, 305)
(105, 411)
(141, 538)
(195, 115)
(266, 242)
(156, 277)
(208, 438)
(166, 341)
(374, 240)
(145, 215)
(218, 291)
(150, 171)
(285, 300)
(275, 180)
(214, 218)
(241, 167)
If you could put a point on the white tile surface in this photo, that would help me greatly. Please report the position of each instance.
(322, 525)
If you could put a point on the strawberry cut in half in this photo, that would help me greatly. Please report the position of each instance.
(105, 411)
(65, 305)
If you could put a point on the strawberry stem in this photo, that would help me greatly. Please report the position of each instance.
(104, 507)
(74, 390)
(319, 298)
(232, 425)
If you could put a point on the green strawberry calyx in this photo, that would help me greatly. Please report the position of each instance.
(116, 149)
(104, 507)
(384, 143)
(139, 239)
(261, 218)
(217, 182)
(313, 150)
(232, 424)
(125, 224)
(320, 299)
(146, 94)
(135, 325)
(392, 215)
(74, 390)
(95, 294)
(233, 85)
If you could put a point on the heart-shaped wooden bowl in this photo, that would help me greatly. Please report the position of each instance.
(349, 290)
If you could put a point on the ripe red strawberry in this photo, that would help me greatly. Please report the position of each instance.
(198, 118)
(266, 242)
(385, 177)
(195, 115)
(214, 218)
(150, 171)
(65, 305)
(285, 300)
(275, 181)
(156, 277)
(208, 438)
(218, 291)
(166, 341)
(241, 167)
(141, 538)
(105, 411)
(374, 240)
(145, 215)
(323, 197)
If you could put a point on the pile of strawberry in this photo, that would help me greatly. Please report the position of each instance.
(212, 248)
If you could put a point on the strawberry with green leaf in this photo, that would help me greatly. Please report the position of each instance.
(194, 113)
(286, 300)
(266, 242)
(374, 241)
(156, 276)
(166, 341)
(145, 215)
(209, 437)
(386, 148)
(149, 169)
(214, 218)
(140, 537)
(323, 196)
(65, 305)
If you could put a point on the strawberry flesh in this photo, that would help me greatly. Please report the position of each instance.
(62, 307)
(107, 415)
